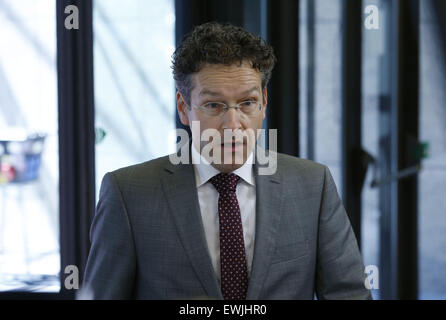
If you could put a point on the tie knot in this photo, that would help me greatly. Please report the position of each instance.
(225, 182)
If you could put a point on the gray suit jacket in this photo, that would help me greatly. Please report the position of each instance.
(147, 237)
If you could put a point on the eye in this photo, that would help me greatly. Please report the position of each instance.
(215, 105)
(212, 105)
(248, 103)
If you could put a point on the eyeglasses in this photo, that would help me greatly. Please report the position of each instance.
(249, 108)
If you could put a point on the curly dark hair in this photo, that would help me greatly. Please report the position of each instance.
(216, 43)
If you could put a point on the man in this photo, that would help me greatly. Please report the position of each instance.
(217, 228)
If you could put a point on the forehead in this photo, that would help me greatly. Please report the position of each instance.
(226, 80)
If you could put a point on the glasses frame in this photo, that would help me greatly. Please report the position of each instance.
(237, 106)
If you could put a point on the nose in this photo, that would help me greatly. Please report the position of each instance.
(232, 119)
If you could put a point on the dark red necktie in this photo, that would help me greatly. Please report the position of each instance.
(234, 273)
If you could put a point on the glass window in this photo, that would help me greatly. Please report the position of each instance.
(432, 178)
(29, 169)
(373, 71)
(134, 88)
(320, 84)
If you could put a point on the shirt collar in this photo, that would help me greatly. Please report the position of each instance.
(204, 171)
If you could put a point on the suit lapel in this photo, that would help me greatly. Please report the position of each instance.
(268, 211)
(181, 194)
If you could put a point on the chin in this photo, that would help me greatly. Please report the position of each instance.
(227, 168)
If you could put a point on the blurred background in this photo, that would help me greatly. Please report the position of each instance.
(359, 86)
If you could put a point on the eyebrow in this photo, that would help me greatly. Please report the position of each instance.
(216, 94)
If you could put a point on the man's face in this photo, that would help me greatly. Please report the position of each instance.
(231, 85)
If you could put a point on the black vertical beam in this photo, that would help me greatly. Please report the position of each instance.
(231, 11)
(76, 134)
(438, 7)
(188, 14)
(283, 95)
(311, 42)
(351, 112)
(255, 16)
(388, 153)
(408, 129)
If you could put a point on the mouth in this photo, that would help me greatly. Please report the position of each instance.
(232, 146)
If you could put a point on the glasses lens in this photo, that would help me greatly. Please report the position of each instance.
(213, 108)
(249, 107)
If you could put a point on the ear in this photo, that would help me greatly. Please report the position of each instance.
(265, 101)
(182, 109)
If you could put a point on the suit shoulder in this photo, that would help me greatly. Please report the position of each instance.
(290, 164)
(148, 169)
(306, 175)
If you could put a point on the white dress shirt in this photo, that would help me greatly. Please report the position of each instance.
(208, 200)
